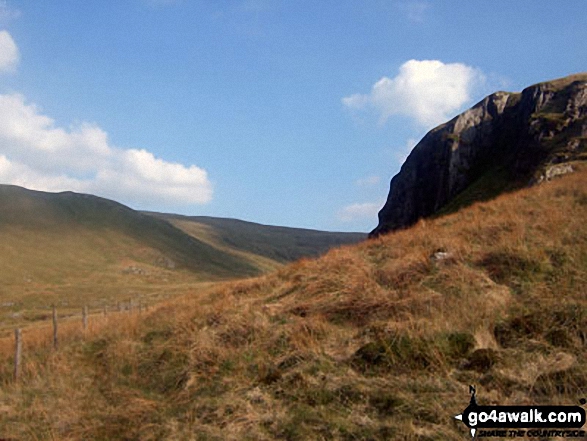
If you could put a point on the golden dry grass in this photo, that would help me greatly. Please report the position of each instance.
(371, 342)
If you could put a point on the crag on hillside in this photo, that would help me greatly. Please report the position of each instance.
(505, 142)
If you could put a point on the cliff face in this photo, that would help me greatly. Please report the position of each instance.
(506, 141)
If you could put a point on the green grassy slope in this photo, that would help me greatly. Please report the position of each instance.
(75, 249)
(67, 212)
(280, 244)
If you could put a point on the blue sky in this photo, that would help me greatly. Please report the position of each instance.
(293, 113)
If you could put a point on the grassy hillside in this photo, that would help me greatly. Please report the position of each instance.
(377, 341)
(64, 212)
(279, 244)
(74, 250)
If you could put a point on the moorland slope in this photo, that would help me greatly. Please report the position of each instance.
(375, 341)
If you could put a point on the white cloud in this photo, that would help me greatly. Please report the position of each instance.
(9, 55)
(361, 211)
(37, 154)
(368, 181)
(429, 91)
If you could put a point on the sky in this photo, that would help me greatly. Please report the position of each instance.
(282, 112)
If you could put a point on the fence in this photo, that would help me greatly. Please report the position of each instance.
(85, 318)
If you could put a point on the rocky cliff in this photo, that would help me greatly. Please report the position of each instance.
(506, 141)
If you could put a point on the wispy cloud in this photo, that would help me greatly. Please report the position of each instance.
(360, 211)
(368, 181)
(401, 153)
(8, 13)
(415, 10)
(9, 56)
(429, 91)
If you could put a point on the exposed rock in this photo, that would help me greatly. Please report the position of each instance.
(164, 262)
(440, 256)
(502, 143)
(135, 270)
(552, 172)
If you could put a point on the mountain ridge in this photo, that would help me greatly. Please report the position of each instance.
(66, 210)
(290, 243)
(31, 209)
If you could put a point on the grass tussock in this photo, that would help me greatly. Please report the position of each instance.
(371, 342)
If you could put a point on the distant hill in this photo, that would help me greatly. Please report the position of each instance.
(70, 213)
(505, 142)
(78, 249)
(279, 244)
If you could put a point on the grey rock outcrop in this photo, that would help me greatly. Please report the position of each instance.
(504, 142)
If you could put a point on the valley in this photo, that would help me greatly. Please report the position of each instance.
(379, 340)
(74, 250)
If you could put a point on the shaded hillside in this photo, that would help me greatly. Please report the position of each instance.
(376, 341)
(281, 244)
(70, 213)
(505, 142)
(76, 249)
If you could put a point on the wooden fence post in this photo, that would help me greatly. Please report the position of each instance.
(55, 327)
(17, 352)
(129, 306)
(85, 317)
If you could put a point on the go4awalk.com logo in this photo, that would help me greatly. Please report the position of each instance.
(514, 421)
